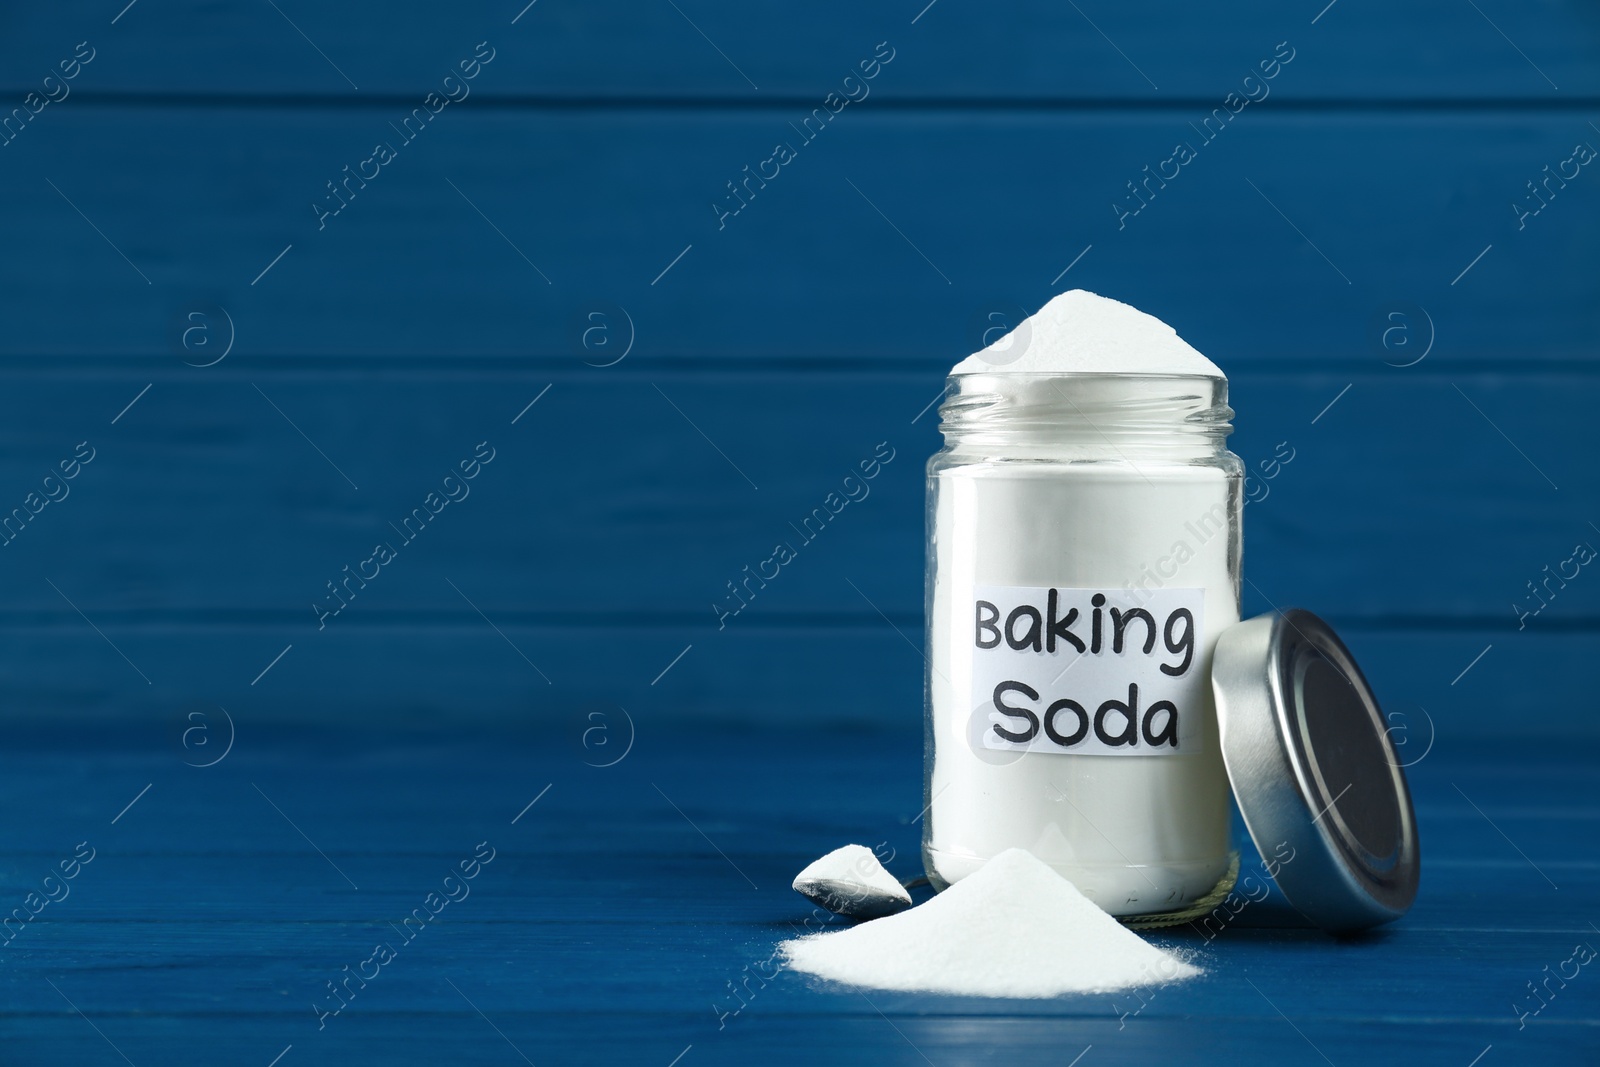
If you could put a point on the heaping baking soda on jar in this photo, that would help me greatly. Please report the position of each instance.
(1083, 558)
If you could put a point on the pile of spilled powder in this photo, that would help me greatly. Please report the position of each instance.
(1079, 332)
(1015, 928)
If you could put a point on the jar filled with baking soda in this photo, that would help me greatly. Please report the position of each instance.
(1083, 557)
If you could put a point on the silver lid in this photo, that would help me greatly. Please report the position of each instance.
(1314, 772)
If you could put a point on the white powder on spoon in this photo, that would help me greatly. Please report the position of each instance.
(1015, 928)
(1079, 332)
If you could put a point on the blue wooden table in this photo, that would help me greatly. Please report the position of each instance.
(625, 914)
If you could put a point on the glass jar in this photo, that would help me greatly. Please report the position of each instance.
(1082, 559)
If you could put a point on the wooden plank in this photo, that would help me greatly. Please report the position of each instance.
(628, 497)
(723, 50)
(891, 238)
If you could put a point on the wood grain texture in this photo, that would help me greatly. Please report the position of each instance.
(608, 927)
(623, 494)
(726, 51)
(544, 670)
(201, 540)
(890, 236)
(628, 493)
(774, 347)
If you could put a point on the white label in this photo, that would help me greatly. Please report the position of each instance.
(1092, 672)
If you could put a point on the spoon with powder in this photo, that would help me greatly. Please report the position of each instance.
(850, 881)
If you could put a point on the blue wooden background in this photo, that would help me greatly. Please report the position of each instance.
(559, 215)
(1391, 249)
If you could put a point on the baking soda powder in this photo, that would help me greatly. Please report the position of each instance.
(1015, 928)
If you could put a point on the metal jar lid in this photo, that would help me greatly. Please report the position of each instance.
(1315, 775)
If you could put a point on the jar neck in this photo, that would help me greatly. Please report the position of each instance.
(1086, 417)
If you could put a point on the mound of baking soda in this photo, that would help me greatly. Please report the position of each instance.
(1079, 332)
(1015, 928)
